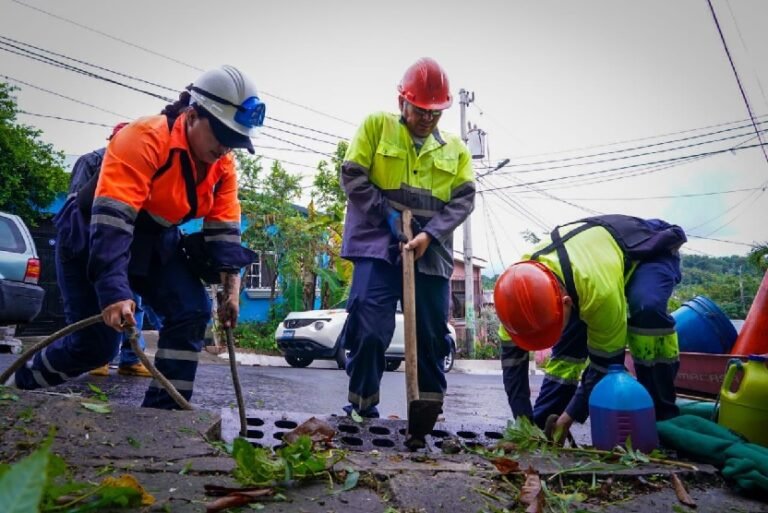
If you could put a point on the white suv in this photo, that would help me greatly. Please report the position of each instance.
(304, 337)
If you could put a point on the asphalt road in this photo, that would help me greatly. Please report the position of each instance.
(474, 398)
(311, 390)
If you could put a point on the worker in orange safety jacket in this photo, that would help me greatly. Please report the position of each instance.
(119, 233)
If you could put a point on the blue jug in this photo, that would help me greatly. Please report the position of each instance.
(620, 407)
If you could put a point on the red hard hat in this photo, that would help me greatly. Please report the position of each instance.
(529, 304)
(425, 85)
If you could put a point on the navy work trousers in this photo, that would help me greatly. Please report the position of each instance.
(376, 288)
(170, 289)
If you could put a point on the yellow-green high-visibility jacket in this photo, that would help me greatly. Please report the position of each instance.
(599, 277)
(382, 171)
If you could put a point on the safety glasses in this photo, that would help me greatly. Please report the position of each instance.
(250, 113)
(425, 112)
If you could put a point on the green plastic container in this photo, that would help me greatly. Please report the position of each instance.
(745, 410)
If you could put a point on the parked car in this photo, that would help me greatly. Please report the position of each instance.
(20, 296)
(304, 337)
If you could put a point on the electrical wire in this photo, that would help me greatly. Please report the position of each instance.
(551, 196)
(48, 60)
(746, 50)
(265, 134)
(625, 157)
(270, 127)
(53, 62)
(644, 198)
(630, 166)
(118, 73)
(639, 139)
(625, 150)
(738, 79)
(520, 210)
(757, 196)
(33, 86)
(163, 56)
(48, 116)
(487, 207)
(721, 240)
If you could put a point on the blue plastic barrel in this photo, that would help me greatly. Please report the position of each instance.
(703, 328)
(620, 407)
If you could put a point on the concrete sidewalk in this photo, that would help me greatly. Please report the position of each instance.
(211, 355)
(488, 367)
(170, 454)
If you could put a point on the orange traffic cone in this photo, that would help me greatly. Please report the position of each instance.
(753, 338)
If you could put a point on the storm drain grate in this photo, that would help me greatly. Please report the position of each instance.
(267, 428)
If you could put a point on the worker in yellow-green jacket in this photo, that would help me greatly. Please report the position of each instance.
(601, 282)
(397, 162)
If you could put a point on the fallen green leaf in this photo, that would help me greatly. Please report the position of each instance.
(21, 487)
(98, 393)
(353, 476)
(186, 469)
(6, 396)
(97, 407)
(356, 417)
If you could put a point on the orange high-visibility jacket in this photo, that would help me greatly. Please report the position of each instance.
(148, 176)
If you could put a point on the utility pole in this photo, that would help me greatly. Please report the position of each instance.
(741, 292)
(465, 98)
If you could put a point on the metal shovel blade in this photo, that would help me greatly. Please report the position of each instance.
(422, 416)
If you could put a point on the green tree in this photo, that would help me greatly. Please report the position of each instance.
(278, 227)
(331, 200)
(731, 282)
(758, 257)
(31, 170)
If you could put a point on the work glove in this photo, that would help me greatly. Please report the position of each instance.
(395, 222)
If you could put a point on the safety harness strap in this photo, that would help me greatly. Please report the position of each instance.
(558, 244)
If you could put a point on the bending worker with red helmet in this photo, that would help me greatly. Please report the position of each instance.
(397, 162)
(601, 283)
(119, 233)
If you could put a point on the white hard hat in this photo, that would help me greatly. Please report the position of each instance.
(231, 98)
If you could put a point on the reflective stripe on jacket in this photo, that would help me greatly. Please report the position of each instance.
(129, 182)
(382, 170)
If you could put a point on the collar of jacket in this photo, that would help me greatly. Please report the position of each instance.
(435, 133)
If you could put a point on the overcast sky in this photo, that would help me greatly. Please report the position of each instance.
(606, 89)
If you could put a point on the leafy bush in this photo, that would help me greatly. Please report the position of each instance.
(487, 345)
(257, 335)
(486, 351)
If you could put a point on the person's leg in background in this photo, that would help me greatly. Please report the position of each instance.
(651, 331)
(127, 362)
(154, 319)
(368, 331)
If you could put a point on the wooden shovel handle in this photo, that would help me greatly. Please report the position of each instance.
(409, 316)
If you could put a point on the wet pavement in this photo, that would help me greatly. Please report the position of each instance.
(171, 455)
